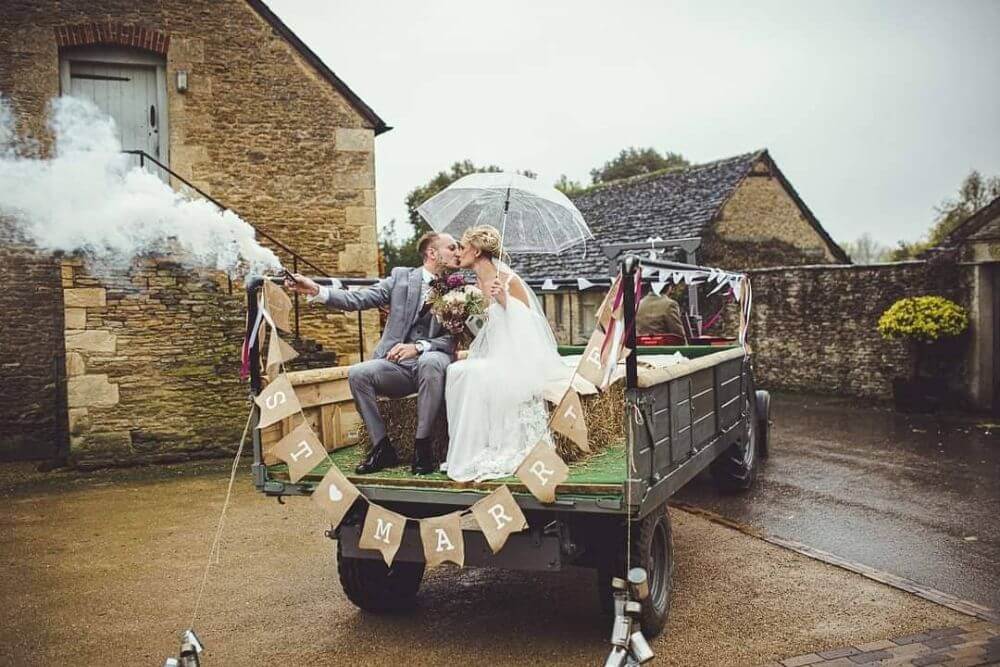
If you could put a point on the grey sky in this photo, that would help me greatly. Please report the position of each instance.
(874, 111)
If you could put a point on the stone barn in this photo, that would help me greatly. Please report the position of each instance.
(144, 365)
(741, 213)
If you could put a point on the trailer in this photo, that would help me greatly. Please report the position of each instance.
(679, 420)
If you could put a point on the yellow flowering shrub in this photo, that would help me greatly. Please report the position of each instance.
(923, 318)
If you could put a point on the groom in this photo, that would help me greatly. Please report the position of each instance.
(412, 355)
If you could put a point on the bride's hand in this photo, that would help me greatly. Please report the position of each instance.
(498, 293)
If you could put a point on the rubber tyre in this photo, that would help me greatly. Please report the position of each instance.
(374, 587)
(764, 424)
(652, 549)
(736, 469)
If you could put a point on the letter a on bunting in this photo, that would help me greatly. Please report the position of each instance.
(442, 539)
(542, 471)
(335, 495)
(301, 450)
(568, 419)
(498, 516)
(277, 401)
(383, 530)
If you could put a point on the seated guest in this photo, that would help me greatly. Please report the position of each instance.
(659, 314)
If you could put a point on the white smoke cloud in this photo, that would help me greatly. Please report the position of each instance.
(87, 197)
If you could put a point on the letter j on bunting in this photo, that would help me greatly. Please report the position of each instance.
(301, 450)
(335, 495)
(442, 539)
(277, 402)
(542, 471)
(499, 516)
(383, 531)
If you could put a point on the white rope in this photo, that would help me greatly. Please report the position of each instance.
(214, 552)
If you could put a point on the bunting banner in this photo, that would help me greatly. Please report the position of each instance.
(277, 401)
(542, 471)
(443, 539)
(568, 420)
(301, 450)
(549, 284)
(335, 495)
(383, 531)
(278, 352)
(583, 284)
(499, 516)
(657, 287)
(591, 366)
(278, 305)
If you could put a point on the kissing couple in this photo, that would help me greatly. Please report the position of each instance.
(493, 398)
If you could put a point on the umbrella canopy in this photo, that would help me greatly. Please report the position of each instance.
(531, 217)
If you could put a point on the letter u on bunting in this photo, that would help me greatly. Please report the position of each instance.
(542, 471)
(277, 401)
(568, 420)
(278, 305)
(499, 516)
(442, 539)
(301, 450)
(383, 531)
(335, 495)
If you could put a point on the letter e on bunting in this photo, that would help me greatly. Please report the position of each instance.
(442, 539)
(383, 531)
(542, 471)
(301, 450)
(498, 516)
(277, 401)
(278, 305)
(568, 420)
(278, 352)
(335, 495)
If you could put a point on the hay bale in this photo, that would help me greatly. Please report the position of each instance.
(603, 412)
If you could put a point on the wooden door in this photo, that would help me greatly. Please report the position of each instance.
(129, 94)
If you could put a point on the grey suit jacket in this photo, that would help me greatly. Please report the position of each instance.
(400, 291)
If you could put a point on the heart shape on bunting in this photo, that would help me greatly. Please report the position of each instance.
(335, 495)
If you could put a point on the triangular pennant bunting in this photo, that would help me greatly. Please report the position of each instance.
(278, 305)
(278, 352)
(499, 516)
(542, 471)
(383, 531)
(568, 419)
(442, 539)
(277, 401)
(335, 495)
(301, 450)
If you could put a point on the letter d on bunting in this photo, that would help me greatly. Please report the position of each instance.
(498, 516)
(542, 471)
(383, 530)
(442, 539)
(335, 495)
(301, 450)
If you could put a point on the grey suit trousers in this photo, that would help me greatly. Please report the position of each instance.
(424, 375)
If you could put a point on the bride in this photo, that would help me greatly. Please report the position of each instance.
(496, 413)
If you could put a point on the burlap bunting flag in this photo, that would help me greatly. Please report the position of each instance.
(591, 365)
(277, 401)
(499, 516)
(383, 531)
(542, 471)
(278, 352)
(335, 495)
(442, 539)
(301, 450)
(278, 305)
(568, 419)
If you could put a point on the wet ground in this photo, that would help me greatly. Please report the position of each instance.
(918, 497)
(104, 568)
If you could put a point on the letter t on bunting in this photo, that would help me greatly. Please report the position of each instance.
(498, 515)
(301, 450)
(568, 420)
(277, 401)
(383, 531)
(442, 539)
(542, 471)
(335, 495)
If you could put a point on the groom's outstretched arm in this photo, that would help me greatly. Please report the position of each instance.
(376, 296)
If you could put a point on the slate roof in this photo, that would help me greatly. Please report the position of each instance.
(672, 204)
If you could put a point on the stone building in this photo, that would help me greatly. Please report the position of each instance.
(741, 211)
(144, 365)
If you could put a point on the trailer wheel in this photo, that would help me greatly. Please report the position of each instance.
(763, 423)
(652, 549)
(375, 587)
(736, 469)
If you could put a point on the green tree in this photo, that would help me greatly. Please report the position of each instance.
(635, 161)
(397, 251)
(567, 187)
(438, 182)
(866, 250)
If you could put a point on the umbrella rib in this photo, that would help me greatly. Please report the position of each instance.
(551, 236)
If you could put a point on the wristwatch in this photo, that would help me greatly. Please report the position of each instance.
(422, 346)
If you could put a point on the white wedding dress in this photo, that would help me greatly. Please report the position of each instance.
(496, 412)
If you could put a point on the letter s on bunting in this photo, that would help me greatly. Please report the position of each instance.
(277, 402)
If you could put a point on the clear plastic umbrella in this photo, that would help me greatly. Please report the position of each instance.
(531, 217)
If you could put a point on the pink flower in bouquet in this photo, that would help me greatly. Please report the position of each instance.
(454, 281)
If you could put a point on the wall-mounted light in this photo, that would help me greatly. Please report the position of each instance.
(182, 81)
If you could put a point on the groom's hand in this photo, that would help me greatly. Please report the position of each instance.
(302, 284)
(402, 352)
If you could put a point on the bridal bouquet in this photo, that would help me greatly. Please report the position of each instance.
(453, 302)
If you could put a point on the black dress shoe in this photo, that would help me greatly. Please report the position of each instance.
(423, 457)
(382, 456)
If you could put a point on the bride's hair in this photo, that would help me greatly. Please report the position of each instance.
(484, 238)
